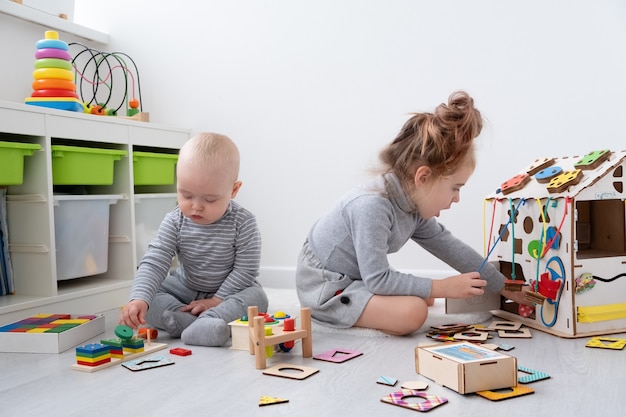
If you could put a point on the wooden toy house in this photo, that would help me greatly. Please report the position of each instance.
(559, 226)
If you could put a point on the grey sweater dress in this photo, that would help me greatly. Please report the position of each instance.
(343, 261)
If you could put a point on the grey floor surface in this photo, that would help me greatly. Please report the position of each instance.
(225, 382)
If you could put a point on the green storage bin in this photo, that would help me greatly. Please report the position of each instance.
(12, 161)
(151, 168)
(76, 165)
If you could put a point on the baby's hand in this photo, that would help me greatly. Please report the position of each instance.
(134, 314)
(196, 307)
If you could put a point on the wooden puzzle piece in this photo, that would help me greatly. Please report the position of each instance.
(506, 393)
(180, 352)
(414, 385)
(534, 297)
(539, 164)
(453, 327)
(606, 343)
(506, 347)
(387, 380)
(530, 375)
(338, 355)
(267, 400)
(398, 398)
(123, 332)
(442, 337)
(147, 363)
(504, 325)
(286, 370)
(513, 284)
(523, 332)
(562, 182)
(516, 183)
(593, 159)
(474, 336)
(490, 346)
(545, 175)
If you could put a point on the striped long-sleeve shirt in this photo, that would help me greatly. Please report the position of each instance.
(221, 258)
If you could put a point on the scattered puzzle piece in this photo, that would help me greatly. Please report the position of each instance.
(504, 325)
(147, 363)
(523, 332)
(414, 385)
(506, 393)
(531, 375)
(387, 380)
(469, 335)
(606, 343)
(267, 400)
(338, 355)
(430, 401)
(180, 352)
(506, 347)
(290, 371)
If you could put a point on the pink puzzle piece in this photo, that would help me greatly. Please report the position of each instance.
(338, 355)
(430, 401)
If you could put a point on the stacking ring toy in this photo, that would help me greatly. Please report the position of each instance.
(54, 83)
(43, 73)
(52, 43)
(54, 92)
(52, 53)
(53, 63)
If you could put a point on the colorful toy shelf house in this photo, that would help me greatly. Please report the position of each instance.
(559, 226)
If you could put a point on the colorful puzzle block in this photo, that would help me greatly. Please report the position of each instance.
(115, 347)
(93, 354)
(133, 345)
(128, 356)
(49, 333)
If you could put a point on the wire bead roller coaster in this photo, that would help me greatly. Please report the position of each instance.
(99, 76)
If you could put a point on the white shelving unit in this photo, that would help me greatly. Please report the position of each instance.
(49, 21)
(30, 208)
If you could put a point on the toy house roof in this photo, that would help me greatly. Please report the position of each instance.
(559, 177)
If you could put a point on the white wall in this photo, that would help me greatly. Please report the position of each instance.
(312, 90)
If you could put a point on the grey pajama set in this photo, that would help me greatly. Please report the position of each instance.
(221, 259)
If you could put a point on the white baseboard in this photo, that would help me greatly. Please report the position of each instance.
(284, 276)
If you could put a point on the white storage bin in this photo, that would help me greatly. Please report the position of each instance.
(149, 212)
(81, 224)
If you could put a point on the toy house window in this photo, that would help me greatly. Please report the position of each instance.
(600, 229)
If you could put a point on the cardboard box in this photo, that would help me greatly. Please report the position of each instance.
(44, 338)
(466, 367)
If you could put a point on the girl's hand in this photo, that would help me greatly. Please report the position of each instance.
(459, 286)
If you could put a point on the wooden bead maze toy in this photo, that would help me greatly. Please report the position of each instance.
(259, 341)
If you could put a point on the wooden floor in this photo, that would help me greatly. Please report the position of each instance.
(225, 382)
